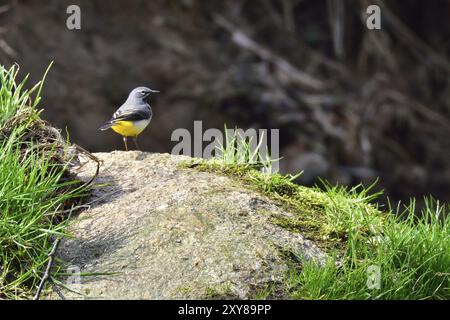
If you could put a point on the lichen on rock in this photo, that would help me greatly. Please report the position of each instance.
(155, 230)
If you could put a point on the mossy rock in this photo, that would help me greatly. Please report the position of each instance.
(156, 230)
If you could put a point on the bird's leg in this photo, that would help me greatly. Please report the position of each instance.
(136, 143)
(125, 143)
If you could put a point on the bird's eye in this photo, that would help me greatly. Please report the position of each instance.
(143, 92)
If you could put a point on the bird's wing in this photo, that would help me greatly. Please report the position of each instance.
(131, 113)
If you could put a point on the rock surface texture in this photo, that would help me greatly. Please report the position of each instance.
(160, 231)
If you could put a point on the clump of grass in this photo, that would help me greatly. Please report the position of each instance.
(36, 187)
(410, 256)
(241, 153)
(371, 254)
(325, 214)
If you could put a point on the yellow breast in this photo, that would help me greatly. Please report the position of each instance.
(130, 128)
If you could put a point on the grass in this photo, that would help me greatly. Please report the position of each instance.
(411, 258)
(408, 254)
(372, 254)
(35, 187)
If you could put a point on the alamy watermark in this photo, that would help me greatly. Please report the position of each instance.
(373, 277)
(73, 280)
(373, 17)
(73, 21)
(265, 142)
(373, 20)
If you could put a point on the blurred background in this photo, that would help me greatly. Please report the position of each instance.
(352, 104)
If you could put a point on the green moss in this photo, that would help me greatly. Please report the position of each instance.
(265, 293)
(325, 216)
(219, 292)
(185, 291)
(411, 252)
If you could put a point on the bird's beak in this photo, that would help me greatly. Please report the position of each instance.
(153, 91)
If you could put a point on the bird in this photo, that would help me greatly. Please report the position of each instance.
(132, 117)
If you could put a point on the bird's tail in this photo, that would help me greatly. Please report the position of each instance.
(105, 127)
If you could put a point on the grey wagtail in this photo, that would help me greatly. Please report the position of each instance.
(132, 117)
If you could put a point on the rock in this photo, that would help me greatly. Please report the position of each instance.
(168, 233)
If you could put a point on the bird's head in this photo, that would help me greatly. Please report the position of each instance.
(141, 92)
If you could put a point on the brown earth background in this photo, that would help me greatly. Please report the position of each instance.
(352, 104)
